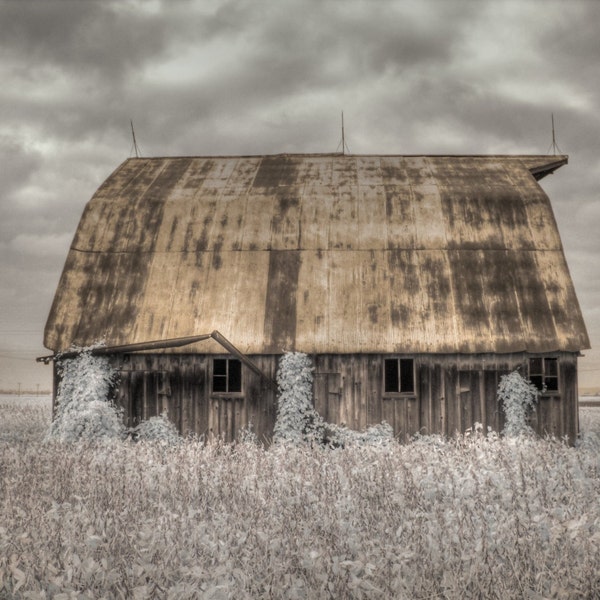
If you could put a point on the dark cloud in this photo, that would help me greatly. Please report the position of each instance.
(18, 164)
(89, 37)
(572, 40)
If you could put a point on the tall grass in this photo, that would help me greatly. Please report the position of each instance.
(466, 518)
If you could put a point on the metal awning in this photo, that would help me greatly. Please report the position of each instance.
(162, 344)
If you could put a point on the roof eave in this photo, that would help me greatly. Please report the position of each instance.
(549, 168)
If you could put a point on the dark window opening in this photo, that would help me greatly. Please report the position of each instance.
(407, 375)
(392, 381)
(538, 381)
(543, 373)
(399, 376)
(227, 375)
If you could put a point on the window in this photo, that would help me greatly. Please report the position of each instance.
(399, 376)
(227, 375)
(543, 373)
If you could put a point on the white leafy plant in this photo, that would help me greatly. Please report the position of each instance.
(486, 518)
(84, 410)
(157, 429)
(518, 397)
(297, 420)
(483, 518)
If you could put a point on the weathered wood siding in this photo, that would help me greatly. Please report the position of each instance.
(452, 393)
(181, 385)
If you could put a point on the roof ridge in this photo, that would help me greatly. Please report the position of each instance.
(553, 158)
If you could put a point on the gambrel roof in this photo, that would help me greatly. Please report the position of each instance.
(322, 253)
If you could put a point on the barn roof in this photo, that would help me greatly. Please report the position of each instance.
(322, 254)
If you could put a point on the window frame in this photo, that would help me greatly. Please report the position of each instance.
(547, 373)
(227, 392)
(399, 392)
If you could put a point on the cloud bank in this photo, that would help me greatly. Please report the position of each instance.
(246, 77)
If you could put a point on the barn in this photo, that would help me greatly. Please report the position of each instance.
(413, 282)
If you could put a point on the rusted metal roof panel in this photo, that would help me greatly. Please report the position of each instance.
(322, 253)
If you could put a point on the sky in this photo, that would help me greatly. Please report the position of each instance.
(231, 77)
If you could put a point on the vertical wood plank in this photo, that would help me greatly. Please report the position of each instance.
(475, 398)
(424, 398)
(482, 402)
(491, 402)
(439, 400)
(464, 408)
(389, 414)
(450, 385)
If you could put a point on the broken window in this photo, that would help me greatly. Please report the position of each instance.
(543, 373)
(227, 375)
(399, 376)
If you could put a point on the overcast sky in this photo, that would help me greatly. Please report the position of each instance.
(211, 77)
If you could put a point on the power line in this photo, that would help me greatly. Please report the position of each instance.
(20, 332)
(30, 359)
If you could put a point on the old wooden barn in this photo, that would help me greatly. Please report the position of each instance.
(414, 283)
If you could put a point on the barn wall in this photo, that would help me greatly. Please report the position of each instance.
(180, 385)
(452, 393)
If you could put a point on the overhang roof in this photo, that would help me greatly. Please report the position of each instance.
(322, 254)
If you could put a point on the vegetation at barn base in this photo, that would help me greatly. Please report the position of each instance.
(298, 421)
(157, 429)
(518, 397)
(83, 409)
(464, 518)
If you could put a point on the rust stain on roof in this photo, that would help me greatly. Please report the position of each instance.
(322, 254)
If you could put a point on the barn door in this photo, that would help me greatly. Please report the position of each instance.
(225, 417)
(149, 395)
(327, 395)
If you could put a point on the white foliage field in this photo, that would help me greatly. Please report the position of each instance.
(465, 518)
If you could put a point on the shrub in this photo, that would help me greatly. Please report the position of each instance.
(341, 436)
(297, 420)
(518, 397)
(84, 410)
(247, 435)
(157, 429)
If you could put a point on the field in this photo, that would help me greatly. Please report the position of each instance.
(465, 518)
